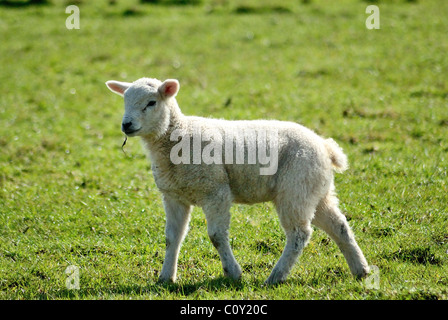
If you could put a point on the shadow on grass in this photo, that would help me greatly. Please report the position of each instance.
(210, 285)
(173, 2)
(156, 289)
(22, 4)
(261, 9)
(193, 289)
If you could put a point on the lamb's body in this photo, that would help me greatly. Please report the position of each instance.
(300, 151)
(301, 186)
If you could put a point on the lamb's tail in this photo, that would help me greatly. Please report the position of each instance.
(337, 156)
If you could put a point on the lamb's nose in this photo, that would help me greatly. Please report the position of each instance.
(126, 125)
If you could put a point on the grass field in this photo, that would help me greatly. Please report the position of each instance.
(70, 196)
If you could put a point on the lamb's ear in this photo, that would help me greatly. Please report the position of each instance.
(117, 86)
(169, 88)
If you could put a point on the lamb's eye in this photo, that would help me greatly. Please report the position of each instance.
(151, 103)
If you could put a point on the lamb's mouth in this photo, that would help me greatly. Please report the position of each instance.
(132, 132)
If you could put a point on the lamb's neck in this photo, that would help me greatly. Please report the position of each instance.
(159, 146)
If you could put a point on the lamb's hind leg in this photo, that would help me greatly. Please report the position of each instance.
(297, 225)
(329, 218)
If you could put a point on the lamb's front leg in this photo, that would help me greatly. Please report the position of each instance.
(217, 213)
(177, 218)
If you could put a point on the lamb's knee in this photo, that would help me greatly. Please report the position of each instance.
(172, 238)
(217, 239)
(344, 230)
(299, 238)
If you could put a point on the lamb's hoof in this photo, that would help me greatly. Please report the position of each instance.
(234, 274)
(274, 279)
(362, 273)
(165, 280)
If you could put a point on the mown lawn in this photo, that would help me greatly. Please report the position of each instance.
(69, 196)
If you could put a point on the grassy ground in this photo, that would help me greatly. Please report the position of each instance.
(70, 196)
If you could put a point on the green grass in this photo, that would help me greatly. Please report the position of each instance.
(70, 196)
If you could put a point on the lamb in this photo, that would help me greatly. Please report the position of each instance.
(219, 162)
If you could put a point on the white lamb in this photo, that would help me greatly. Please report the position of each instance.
(214, 171)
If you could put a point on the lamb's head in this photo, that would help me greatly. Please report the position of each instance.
(147, 104)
